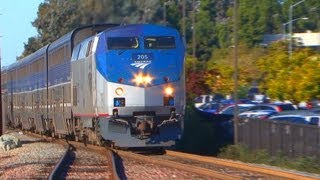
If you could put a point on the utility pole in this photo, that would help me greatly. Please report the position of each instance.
(165, 4)
(235, 31)
(165, 13)
(184, 19)
(290, 27)
(1, 121)
(193, 29)
(1, 117)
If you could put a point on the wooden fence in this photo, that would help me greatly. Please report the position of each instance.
(292, 140)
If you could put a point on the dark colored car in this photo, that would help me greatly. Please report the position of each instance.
(227, 112)
(208, 109)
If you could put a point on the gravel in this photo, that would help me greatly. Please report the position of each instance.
(34, 159)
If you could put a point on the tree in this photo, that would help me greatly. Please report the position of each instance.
(195, 78)
(58, 17)
(309, 9)
(295, 80)
(256, 19)
(205, 27)
(30, 47)
(220, 68)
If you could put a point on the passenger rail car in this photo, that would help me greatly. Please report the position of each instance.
(124, 85)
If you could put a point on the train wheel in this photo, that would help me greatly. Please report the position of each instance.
(109, 144)
(85, 139)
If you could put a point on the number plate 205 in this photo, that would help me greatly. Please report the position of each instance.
(142, 57)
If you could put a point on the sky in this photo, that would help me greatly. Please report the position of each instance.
(15, 27)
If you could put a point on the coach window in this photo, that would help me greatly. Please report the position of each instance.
(28, 69)
(115, 43)
(159, 42)
(68, 55)
(60, 55)
(65, 53)
(39, 65)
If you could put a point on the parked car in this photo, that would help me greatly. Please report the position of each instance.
(309, 104)
(299, 116)
(227, 112)
(297, 119)
(203, 99)
(315, 121)
(208, 109)
(315, 110)
(260, 114)
(278, 107)
(304, 105)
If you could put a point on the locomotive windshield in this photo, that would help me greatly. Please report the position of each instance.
(159, 42)
(115, 43)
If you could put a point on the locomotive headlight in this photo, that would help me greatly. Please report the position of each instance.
(147, 79)
(138, 79)
(119, 91)
(142, 79)
(168, 91)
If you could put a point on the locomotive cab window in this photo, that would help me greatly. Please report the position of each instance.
(75, 52)
(159, 42)
(115, 43)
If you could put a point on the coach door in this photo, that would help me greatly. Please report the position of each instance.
(58, 117)
(37, 111)
(23, 113)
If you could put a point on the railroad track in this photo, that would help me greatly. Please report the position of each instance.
(175, 169)
(81, 161)
(118, 164)
(213, 168)
(245, 170)
(77, 163)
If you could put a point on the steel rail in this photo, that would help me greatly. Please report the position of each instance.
(103, 150)
(176, 165)
(112, 164)
(53, 174)
(240, 165)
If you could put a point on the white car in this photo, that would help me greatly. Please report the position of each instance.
(261, 114)
(299, 117)
(202, 99)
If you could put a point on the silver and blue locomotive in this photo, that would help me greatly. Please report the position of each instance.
(123, 85)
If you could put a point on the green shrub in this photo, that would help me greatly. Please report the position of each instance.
(242, 153)
(201, 135)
